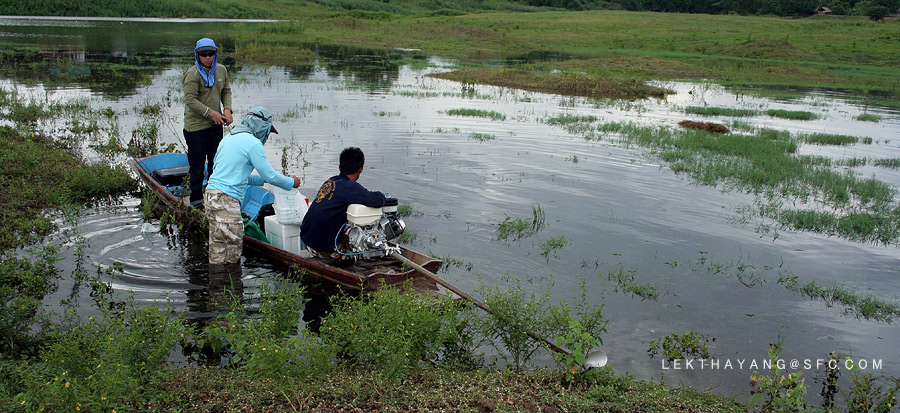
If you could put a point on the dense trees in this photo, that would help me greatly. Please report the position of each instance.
(876, 9)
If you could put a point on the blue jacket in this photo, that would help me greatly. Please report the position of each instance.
(328, 212)
(242, 151)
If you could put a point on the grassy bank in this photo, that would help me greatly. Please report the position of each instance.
(829, 52)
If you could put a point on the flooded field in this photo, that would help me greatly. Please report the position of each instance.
(466, 158)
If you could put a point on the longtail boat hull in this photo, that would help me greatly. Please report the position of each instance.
(363, 274)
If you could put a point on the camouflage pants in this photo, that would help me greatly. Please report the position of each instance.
(226, 227)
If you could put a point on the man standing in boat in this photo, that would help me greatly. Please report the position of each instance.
(207, 108)
(239, 154)
(328, 213)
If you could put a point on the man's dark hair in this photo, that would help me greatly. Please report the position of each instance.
(352, 160)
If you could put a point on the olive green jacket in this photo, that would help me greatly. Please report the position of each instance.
(199, 99)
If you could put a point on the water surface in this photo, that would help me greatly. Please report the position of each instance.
(617, 207)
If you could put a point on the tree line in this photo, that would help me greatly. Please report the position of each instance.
(876, 9)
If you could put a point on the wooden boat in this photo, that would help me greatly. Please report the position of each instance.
(162, 174)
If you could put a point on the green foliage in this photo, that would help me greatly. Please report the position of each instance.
(391, 330)
(792, 114)
(552, 246)
(267, 344)
(24, 161)
(868, 117)
(714, 111)
(625, 282)
(567, 119)
(828, 139)
(483, 137)
(514, 229)
(869, 393)
(579, 343)
(681, 346)
(477, 113)
(865, 306)
(778, 392)
(406, 210)
(227, 9)
(101, 362)
(24, 283)
(516, 312)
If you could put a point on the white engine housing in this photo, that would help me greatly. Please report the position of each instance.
(368, 230)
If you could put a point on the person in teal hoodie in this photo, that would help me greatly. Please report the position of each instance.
(207, 108)
(239, 153)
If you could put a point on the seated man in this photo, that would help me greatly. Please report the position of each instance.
(238, 155)
(328, 212)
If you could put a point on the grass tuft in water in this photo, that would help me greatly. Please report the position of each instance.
(514, 229)
(625, 282)
(681, 346)
(714, 111)
(477, 113)
(482, 137)
(868, 117)
(792, 114)
(865, 306)
(828, 139)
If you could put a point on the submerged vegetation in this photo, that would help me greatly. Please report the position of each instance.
(765, 163)
(117, 359)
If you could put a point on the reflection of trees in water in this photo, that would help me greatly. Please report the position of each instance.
(371, 69)
(111, 74)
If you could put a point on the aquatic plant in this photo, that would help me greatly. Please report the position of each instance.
(681, 346)
(552, 246)
(515, 312)
(478, 113)
(828, 139)
(391, 330)
(792, 114)
(514, 229)
(482, 137)
(865, 306)
(777, 391)
(406, 210)
(868, 117)
(715, 111)
(624, 282)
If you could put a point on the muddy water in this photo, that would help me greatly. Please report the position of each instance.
(617, 207)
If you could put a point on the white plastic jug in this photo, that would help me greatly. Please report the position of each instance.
(290, 206)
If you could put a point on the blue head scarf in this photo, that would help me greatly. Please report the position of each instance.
(258, 123)
(209, 78)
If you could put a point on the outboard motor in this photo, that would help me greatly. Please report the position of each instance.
(368, 230)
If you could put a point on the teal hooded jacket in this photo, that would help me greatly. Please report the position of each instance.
(242, 151)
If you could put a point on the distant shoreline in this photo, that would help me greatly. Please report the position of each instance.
(141, 19)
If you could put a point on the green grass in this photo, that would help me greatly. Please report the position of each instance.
(625, 283)
(714, 111)
(828, 139)
(792, 114)
(512, 229)
(477, 113)
(226, 9)
(482, 137)
(766, 163)
(859, 305)
(868, 117)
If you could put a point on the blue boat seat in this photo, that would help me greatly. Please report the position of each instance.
(164, 161)
(255, 198)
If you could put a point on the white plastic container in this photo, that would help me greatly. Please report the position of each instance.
(362, 215)
(284, 236)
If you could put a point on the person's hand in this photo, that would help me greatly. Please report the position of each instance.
(296, 182)
(217, 117)
(229, 118)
